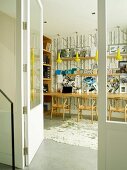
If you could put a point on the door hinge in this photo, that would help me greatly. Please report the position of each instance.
(24, 67)
(24, 109)
(24, 25)
(26, 151)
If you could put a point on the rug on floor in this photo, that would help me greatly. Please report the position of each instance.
(81, 133)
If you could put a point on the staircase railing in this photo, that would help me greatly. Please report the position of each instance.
(12, 128)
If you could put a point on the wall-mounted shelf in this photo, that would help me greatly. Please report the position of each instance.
(47, 65)
(113, 56)
(73, 58)
(47, 79)
(83, 75)
(114, 74)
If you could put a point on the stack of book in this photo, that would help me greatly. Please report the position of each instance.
(46, 71)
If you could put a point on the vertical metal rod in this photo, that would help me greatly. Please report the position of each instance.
(111, 37)
(118, 35)
(114, 37)
(12, 137)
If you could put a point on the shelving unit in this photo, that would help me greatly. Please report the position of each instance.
(73, 58)
(47, 63)
(82, 71)
(83, 75)
(47, 67)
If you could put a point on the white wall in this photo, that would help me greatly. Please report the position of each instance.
(7, 56)
(7, 83)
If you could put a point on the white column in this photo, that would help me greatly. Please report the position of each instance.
(102, 83)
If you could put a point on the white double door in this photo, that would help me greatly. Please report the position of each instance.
(112, 151)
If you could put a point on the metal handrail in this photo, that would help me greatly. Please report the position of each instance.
(12, 128)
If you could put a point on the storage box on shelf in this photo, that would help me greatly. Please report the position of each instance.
(47, 66)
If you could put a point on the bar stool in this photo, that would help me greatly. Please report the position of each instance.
(60, 104)
(88, 104)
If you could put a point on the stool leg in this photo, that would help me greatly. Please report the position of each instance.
(51, 112)
(110, 113)
(78, 116)
(81, 114)
(63, 113)
(96, 115)
(70, 111)
(92, 115)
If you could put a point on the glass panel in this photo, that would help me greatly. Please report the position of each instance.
(5, 131)
(35, 19)
(117, 62)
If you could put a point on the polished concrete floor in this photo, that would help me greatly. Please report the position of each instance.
(57, 156)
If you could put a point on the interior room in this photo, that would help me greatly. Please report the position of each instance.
(71, 66)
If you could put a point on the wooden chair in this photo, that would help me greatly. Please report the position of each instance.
(117, 105)
(90, 105)
(58, 104)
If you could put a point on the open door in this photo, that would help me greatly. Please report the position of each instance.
(32, 78)
(112, 151)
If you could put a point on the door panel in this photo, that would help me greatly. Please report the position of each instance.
(112, 150)
(35, 115)
(116, 141)
(32, 78)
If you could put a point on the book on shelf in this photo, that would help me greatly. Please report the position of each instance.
(46, 72)
(46, 60)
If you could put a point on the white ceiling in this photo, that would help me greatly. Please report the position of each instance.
(65, 17)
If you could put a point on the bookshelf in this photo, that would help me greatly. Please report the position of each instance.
(47, 67)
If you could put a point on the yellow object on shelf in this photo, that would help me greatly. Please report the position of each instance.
(77, 59)
(118, 56)
(96, 56)
(59, 59)
(32, 73)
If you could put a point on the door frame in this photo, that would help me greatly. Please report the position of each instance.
(19, 119)
(112, 135)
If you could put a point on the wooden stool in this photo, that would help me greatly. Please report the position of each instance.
(90, 106)
(117, 105)
(60, 103)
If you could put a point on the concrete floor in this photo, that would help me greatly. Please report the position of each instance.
(57, 156)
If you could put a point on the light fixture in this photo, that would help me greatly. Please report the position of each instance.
(77, 59)
(58, 58)
(96, 56)
(96, 45)
(118, 55)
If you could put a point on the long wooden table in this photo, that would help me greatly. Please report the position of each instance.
(82, 95)
(87, 95)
